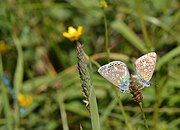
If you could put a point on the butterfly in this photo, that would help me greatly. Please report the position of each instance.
(117, 72)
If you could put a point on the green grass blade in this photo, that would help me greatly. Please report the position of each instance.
(94, 110)
(162, 25)
(167, 57)
(122, 28)
(18, 78)
(107, 111)
(81, 127)
(63, 111)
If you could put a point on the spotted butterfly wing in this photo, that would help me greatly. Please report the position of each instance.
(145, 65)
(117, 73)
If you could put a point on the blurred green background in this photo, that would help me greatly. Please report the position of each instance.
(41, 63)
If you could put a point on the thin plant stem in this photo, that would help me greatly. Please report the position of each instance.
(144, 117)
(122, 109)
(156, 108)
(106, 36)
(144, 30)
(158, 91)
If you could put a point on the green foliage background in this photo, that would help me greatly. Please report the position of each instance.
(42, 63)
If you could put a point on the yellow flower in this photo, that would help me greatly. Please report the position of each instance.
(3, 46)
(24, 100)
(73, 34)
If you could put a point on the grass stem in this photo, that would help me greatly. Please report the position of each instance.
(144, 30)
(87, 86)
(144, 117)
(18, 78)
(156, 109)
(158, 92)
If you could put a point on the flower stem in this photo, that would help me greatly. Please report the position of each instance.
(122, 109)
(106, 36)
(144, 117)
(156, 109)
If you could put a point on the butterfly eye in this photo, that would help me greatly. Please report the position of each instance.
(148, 84)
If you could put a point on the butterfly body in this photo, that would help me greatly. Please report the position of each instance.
(117, 72)
(143, 82)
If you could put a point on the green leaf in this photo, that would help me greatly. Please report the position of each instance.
(167, 57)
(18, 76)
(122, 28)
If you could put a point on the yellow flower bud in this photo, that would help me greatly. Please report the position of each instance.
(103, 4)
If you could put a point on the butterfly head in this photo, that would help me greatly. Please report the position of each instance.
(148, 84)
(145, 84)
(122, 90)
